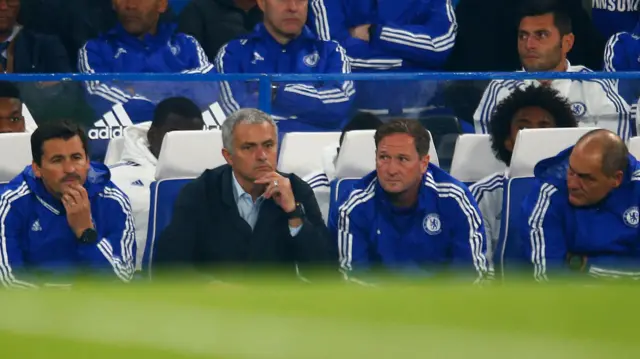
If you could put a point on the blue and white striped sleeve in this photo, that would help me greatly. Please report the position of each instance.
(317, 180)
(469, 244)
(488, 194)
(328, 19)
(542, 233)
(116, 247)
(429, 43)
(353, 246)
(12, 231)
(234, 95)
(104, 95)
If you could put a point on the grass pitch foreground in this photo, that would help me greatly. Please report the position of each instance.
(290, 321)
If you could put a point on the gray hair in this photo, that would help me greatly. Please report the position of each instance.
(250, 116)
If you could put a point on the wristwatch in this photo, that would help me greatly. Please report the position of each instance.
(298, 212)
(89, 236)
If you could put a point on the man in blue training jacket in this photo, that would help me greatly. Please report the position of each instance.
(389, 36)
(283, 44)
(409, 216)
(583, 213)
(140, 43)
(622, 53)
(62, 216)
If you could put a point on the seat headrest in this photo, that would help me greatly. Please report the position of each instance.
(189, 153)
(473, 158)
(534, 145)
(634, 146)
(357, 154)
(16, 154)
(302, 152)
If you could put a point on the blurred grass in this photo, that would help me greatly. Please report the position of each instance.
(281, 319)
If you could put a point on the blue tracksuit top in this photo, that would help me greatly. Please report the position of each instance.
(405, 36)
(298, 107)
(622, 53)
(444, 230)
(606, 233)
(165, 52)
(38, 245)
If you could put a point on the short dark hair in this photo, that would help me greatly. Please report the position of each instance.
(615, 154)
(561, 17)
(412, 128)
(180, 106)
(9, 90)
(532, 96)
(52, 130)
(361, 121)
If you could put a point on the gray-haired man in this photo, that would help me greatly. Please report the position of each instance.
(245, 213)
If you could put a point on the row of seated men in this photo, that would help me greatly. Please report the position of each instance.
(215, 22)
(407, 216)
(141, 43)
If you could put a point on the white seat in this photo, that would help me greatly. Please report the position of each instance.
(114, 150)
(473, 158)
(357, 154)
(634, 146)
(534, 145)
(186, 154)
(16, 150)
(301, 152)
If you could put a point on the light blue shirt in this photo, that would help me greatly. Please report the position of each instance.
(249, 210)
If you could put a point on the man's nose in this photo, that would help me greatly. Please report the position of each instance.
(261, 154)
(292, 5)
(392, 168)
(69, 167)
(531, 43)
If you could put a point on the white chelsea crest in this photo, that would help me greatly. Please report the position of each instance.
(631, 217)
(311, 60)
(431, 224)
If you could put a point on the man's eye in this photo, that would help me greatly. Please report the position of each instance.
(15, 119)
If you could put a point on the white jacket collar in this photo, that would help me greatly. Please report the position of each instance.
(563, 86)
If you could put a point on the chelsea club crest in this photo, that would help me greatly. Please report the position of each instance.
(431, 224)
(311, 60)
(631, 217)
(579, 109)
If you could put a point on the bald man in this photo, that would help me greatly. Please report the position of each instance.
(582, 215)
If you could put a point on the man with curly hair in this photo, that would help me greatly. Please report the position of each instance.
(531, 107)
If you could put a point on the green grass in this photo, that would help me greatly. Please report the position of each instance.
(285, 320)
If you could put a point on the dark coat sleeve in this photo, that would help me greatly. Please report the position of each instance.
(313, 244)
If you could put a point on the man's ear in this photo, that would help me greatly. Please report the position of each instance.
(36, 170)
(424, 163)
(567, 42)
(617, 179)
(227, 156)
